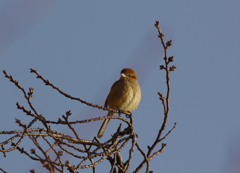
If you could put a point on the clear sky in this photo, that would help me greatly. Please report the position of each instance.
(81, 47)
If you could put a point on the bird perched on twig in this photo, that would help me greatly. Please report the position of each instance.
(125, 95)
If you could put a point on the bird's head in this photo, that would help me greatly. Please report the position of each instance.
(128, 73)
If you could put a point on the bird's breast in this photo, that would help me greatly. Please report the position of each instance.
(124, 95)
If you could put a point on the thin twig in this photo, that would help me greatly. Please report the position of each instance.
(165, 102)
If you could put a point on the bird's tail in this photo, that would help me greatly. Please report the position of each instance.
(104, 125)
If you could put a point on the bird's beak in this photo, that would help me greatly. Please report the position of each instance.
(123, 75)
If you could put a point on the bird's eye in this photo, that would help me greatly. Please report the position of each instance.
(130, 75)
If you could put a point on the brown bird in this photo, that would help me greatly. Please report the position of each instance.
(125, 95)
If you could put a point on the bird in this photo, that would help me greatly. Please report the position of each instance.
(125, 94)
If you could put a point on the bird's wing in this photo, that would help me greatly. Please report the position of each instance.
(106, 101)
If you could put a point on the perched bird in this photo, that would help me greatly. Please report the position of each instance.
(125, 95)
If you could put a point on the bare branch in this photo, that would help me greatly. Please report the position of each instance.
(165, 101)
(88, 153)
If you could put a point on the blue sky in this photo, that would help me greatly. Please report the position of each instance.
(81, 47)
